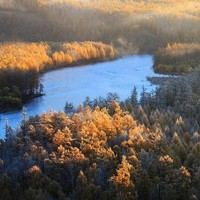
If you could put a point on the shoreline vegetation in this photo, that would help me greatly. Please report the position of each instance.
(177, 58)
(21, 64)
(107, 149)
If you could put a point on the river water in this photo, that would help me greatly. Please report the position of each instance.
(73, 84)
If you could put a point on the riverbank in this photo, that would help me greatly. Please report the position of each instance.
(177, 58)
(22, 64)
(159, 80)
(80, 63)
(18, 102)
(74, 84)
(26, 99)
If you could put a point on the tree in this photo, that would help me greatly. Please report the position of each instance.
(122, 182)
(134, 96)
(69, 108)
(81, 184)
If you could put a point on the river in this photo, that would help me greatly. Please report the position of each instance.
(73, 84)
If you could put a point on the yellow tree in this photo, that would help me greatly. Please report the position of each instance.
(122, 182)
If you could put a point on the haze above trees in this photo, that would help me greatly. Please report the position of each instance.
(134, 25)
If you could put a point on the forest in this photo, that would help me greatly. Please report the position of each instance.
(137, 26)
(22, 63)
(146, 147)
(177, 58)
(39, 28)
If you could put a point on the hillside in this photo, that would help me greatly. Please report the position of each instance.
(144, 25)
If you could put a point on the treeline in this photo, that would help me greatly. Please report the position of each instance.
(144, 25)
(69, 53)
(121, 6)
(44, 56)
(177, 58)
(145, 148)
(22, 63)
(116, 6)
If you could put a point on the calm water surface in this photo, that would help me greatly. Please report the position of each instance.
(75, 83)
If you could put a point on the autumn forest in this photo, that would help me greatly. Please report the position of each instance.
(144, 147)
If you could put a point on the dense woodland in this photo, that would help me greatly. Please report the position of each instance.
(177, 58)
(158, 27)
(136, 149)
(137, 26)
(22, 63)
(145, 148)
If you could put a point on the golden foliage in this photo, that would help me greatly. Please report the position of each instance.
(177, 57)
(181, 49)
(166, 160)
(123, 177)
(34, 169)
(135, 6)
(41, 56)
(24, 55)
(184, 171)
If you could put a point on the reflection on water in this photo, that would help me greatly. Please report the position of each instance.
(75, 83)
